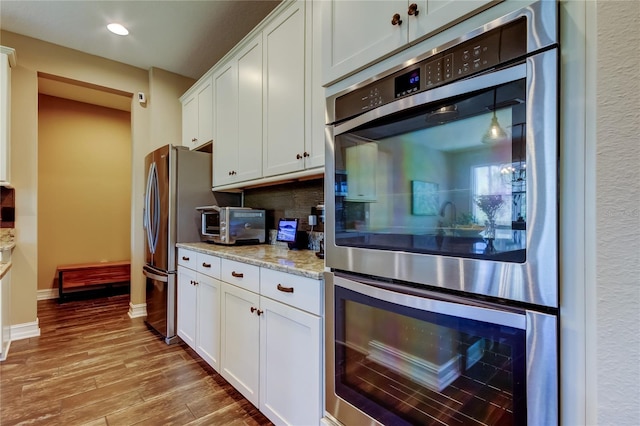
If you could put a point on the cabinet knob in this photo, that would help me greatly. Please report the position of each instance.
(237, 274)
(396, 19)
(253, 309)
(298, 156)
(194, 139)
(413, 9)
(285, 289)
(306, 154)
(206, 265)
(259, 312)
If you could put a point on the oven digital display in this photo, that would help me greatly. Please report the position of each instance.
(407, 83)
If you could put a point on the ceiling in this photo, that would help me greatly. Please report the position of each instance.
(184, 37)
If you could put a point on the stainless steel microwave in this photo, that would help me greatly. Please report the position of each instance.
(233, 225)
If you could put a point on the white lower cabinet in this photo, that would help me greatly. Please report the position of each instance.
(290, 357)
(187, 296)
(199, 291)
(266, 326)
(241, 340)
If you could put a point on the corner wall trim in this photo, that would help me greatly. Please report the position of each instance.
(51, 293)
(136, 311)
(25, 330)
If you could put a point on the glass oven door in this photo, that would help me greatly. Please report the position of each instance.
(402, 355)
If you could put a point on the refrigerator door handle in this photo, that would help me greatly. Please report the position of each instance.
(152, 225)
(154, 275)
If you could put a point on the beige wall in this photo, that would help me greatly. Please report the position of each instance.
(617, 227)
(37, 56)
(84, 185)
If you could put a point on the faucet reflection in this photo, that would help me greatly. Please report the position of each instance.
(452, 220)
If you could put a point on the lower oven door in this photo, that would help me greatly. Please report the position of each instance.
(402, 355)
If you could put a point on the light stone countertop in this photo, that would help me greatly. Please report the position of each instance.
(298, 262)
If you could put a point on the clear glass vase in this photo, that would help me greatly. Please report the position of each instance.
(489, 236)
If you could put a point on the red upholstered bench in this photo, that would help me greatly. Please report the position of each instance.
(89, 275)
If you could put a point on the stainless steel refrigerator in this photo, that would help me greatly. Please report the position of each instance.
(178, 180)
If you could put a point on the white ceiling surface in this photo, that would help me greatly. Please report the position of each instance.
(184, 37)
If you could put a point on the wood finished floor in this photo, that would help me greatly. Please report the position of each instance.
(93, 365)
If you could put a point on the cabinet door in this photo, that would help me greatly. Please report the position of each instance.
(314, 141)
(208, 320)
(250, 111)
(205, 112)
(225, 144)
(362, 160)
(356, 33)
(290, 364)
(240, 340)
(284, 108)
(187, 305)
(436, 15)
(190, 122)
(5, 115)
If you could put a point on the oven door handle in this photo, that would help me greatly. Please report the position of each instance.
(425, 301)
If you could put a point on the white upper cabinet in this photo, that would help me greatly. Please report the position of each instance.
(237, 115)
(197, 114)
(359, 32)
(7, 60)
(268, 102)
(284, 101)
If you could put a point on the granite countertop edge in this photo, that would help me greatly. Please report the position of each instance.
(6, 245)
(303, 263)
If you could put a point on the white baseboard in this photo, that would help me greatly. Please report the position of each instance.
(51, 293)
(136, 311)
(25, 330)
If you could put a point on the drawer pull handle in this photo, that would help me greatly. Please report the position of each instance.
(237, 274)
(285, 289)
(206, 265)
(185, 258)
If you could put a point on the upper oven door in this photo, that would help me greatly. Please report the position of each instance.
(453, 187)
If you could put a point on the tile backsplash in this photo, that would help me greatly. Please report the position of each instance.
(295, 199)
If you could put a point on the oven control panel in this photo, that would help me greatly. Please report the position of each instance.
(481, 53)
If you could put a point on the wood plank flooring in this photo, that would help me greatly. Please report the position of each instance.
(93, 365)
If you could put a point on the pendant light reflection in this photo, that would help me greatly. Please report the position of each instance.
(495, 133)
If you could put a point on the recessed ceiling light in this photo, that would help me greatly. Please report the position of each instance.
(118, 29)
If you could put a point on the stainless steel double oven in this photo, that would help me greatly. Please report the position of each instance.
(441, 234)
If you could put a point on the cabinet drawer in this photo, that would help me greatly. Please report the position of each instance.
(209, 265)
(241, 274)
(187, 258)
(299, 292)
